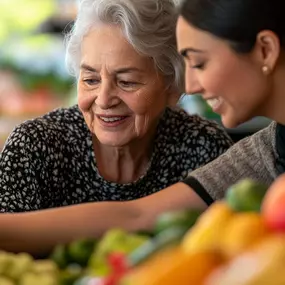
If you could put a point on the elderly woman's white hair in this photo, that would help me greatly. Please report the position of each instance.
(148, 25)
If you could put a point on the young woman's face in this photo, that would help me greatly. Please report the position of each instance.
(120, 92)
(233, 84)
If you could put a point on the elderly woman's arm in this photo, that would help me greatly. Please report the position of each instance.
(38, 232)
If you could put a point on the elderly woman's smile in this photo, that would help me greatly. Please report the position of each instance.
(112, 120)
(120, 92)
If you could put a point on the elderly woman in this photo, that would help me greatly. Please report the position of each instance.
(122, 141)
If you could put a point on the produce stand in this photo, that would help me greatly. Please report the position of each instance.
(237, 241)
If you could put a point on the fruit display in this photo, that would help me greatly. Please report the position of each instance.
(237, 241)
(21, 269)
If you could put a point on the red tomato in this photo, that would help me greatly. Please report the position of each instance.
(273, 206)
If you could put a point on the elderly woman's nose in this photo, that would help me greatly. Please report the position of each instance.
(192, 84)
(106, 95)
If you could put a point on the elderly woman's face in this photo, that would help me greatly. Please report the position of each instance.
(120, 93)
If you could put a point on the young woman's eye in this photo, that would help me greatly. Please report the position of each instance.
(90, 81)
(198, 66)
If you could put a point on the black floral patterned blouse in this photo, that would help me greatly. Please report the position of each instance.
(49, 161)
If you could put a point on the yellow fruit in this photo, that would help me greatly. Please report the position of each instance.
(19, 264)
(244, 230)
(262, 265)
(174, 266)
(6, 260)
(209, 229)
(6, 281)
(44, 266)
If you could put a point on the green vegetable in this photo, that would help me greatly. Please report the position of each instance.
(246, 196)
(60, 256)
(115, 240)
(80, 251)
(165, 238)
(69, 275)
(185, 218)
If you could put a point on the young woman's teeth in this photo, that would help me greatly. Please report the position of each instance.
(111, 119)
(213, 102)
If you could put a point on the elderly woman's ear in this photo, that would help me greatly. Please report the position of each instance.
(172, 95)
(173, 98)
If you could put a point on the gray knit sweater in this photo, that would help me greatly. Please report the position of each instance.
(253, 157)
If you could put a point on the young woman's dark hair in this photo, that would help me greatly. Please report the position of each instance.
(237, 21)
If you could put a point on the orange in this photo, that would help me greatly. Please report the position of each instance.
(243, 231)
(174, 266)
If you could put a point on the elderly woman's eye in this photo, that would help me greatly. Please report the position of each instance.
(127, 83)
(91, 81)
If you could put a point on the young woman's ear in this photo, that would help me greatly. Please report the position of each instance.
(267, 50)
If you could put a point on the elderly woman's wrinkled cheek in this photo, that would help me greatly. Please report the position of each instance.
(143, 102)
(86, 99)
(142, 124)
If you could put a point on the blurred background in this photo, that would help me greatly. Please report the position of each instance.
(33, 78)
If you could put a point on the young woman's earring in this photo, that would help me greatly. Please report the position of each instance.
(265, 69)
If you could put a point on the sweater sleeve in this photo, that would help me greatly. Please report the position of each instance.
(253, 157)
